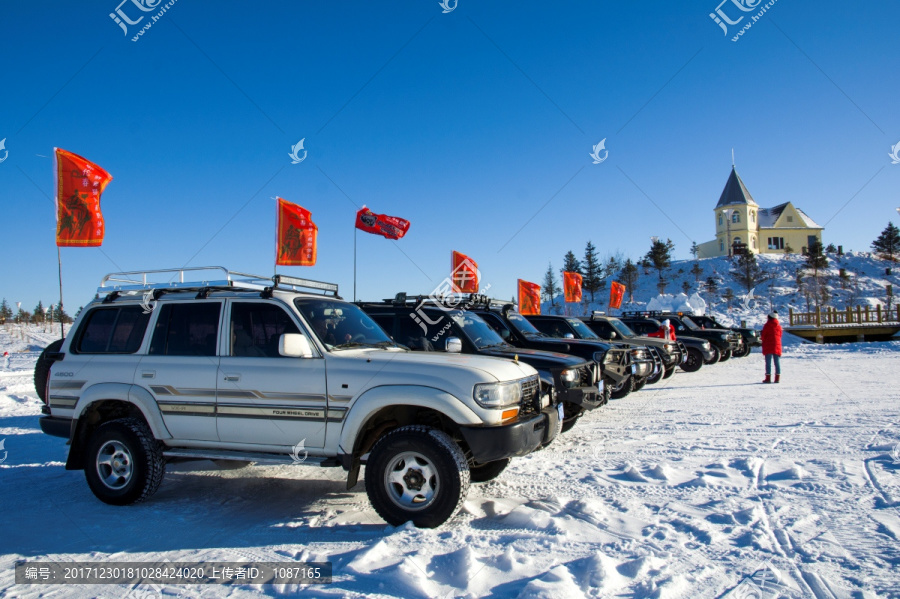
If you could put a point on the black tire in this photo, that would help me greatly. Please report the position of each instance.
(124, 463)
(743, 352)
(715, 357)
(485, 472)
(694, 361)
(441, 490)
(669, 372)
(725, 356)
(623, 389)
(639, 384)
(655, 378)
(42, 369)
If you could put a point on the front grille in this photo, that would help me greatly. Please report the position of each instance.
(531, 397)
(587, 376)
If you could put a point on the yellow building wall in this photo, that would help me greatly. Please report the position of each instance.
(796, 238)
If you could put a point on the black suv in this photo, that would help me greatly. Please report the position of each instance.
(426, 324)
(722, 341)
(751, 336)
(672, 353)
(624, 368)
(572, 327)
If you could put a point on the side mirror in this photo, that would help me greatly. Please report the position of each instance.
(504, 334)
(612, 335)
(568, 336)
(453, 346)
(294, 345)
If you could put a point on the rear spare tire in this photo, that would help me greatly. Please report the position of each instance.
(42, 370)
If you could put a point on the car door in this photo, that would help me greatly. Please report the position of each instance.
(264, 398)
(181, 364)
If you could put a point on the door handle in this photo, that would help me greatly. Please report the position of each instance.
(232, 377)
(148, 374)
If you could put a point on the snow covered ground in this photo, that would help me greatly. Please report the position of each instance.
(705, 485)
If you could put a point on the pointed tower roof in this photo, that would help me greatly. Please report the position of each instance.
(735, 192)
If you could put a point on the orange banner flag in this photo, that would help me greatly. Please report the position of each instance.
(464, 273)
(296, 244)
(529, 298)
(79, 185)
(572, 287)
(616, 293)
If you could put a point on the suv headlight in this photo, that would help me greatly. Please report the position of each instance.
(706, 345)
(605, 357)
(570, 377)
(498, 395)
(669, 347)
(640, 354)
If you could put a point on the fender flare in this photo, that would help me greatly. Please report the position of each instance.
(128, 393)
(378, 398)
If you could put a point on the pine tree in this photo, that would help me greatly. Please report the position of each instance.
(686, 288)
(5, 312)
(612, 265)
(747, 271)
(697, 271)
(591, 270)
(38, 316)
(728, 295)
(660, 255)
(887, 245)
(695, 249)
(551, 287)
(571, 263)
(712, 286)
(629, 277)
(815, 257)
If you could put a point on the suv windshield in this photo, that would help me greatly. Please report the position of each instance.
(522, 325)
(583, 330)
(621, 328)
(340, 325)
(478, 331)
(689, 323)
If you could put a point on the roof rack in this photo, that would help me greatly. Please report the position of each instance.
(452, 300)
(642, 313)
(205, 278)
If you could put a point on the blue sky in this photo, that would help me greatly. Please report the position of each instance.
(476, 125)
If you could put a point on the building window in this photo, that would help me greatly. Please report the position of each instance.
(753, 218)
(776, 243)
(720, 220)
(790, 219)
(736, 217)
(721, 246)
(753, 240)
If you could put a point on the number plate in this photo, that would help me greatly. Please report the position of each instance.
(600, 386)
(559, 409)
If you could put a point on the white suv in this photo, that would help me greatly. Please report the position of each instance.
(243, 368)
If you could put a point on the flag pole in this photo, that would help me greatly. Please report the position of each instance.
(62, 325)
(354, 261)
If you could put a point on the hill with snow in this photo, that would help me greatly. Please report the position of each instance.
(865, 284)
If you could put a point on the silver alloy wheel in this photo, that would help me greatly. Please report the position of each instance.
(114, 465)
(411, 481)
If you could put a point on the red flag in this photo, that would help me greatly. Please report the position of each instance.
(616, 293)
(464, 273)
(572, 286)
(296, 245)
(79, 185)
(391, 227)
(529, 298)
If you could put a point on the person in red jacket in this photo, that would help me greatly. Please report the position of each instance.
(666, 331)
(771, 347)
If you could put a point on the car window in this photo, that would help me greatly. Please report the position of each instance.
(476, 329)
(582, 331)
(257, 327)
(340, 325)
(186, 329)
(522, 325)
(623, 329)
(544, 326)
(497, 324)
(115, 330)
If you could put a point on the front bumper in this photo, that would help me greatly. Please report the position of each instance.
(56, 427)
(588, 398)
(491, 443)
